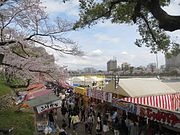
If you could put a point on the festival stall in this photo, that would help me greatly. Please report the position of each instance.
(31, 92)
(149, 98)
(35, 86)
(80, 90)
(36, 93)
(42, 106)
(175, 84)
(166, 117)
(87, 80)
(110, 87)
(148, 91)
(166, 102)
(83, 92)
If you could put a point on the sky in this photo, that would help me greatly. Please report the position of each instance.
(105, 41)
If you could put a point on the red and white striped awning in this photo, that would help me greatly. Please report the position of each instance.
(168, 101)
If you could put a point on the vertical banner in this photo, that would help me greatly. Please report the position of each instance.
(109, 97)
(104, 96)
(99, 94)
(89, 93)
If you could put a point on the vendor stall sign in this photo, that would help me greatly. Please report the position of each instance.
(164, 117)
(107, 96)
(89, 93)
(49, 106)
(98, 94)
(169, 118)
(118, 103)
(80, 90)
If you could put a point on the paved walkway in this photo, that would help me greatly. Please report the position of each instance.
(81, 126)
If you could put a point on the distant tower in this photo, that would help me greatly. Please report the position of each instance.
(112, 65)
(173, 62)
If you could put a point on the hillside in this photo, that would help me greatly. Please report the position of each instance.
(22, 122)
(3, 88)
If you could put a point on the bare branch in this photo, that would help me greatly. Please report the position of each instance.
(72, 51)
(20, 68)
(4, 43)
(150, 30)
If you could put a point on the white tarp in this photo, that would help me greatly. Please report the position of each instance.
(140, 87)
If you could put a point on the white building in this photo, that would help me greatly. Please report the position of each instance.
(173, 62)
(112, 65)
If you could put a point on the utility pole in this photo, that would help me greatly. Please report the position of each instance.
(157, 60)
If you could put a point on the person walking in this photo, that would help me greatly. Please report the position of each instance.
(51, 121)
(99, 124)
(133, 128)
(83, 114)
(70, 112)
(75, 120)
(63, 110)
(76, 109)
(105, 124)
(63, 129)
(116, 126)
(124, 127)
(90, 121)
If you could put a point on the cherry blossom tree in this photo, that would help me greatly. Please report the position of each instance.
(24, 25)
(38, 67)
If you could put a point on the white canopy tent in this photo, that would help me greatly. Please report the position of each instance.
(85, 80)
(140, 87)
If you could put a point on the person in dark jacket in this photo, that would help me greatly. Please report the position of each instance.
(124, 127)
(70, 112)
(116, 126)
(51, 122)
(83, 114)
(63, 110)
(63, 129)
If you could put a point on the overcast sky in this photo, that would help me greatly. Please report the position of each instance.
(105, 41)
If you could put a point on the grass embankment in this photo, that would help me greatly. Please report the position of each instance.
(23, 122)
(3, 88)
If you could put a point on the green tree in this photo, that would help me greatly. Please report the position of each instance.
(148, 15)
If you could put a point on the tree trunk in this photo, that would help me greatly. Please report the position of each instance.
(166, 21)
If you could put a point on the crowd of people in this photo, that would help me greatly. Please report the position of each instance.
(107, 122)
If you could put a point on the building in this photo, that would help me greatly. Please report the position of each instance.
(125, 66)
(89, 70)
(151, 68)
(173, 62)
(112, 65)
